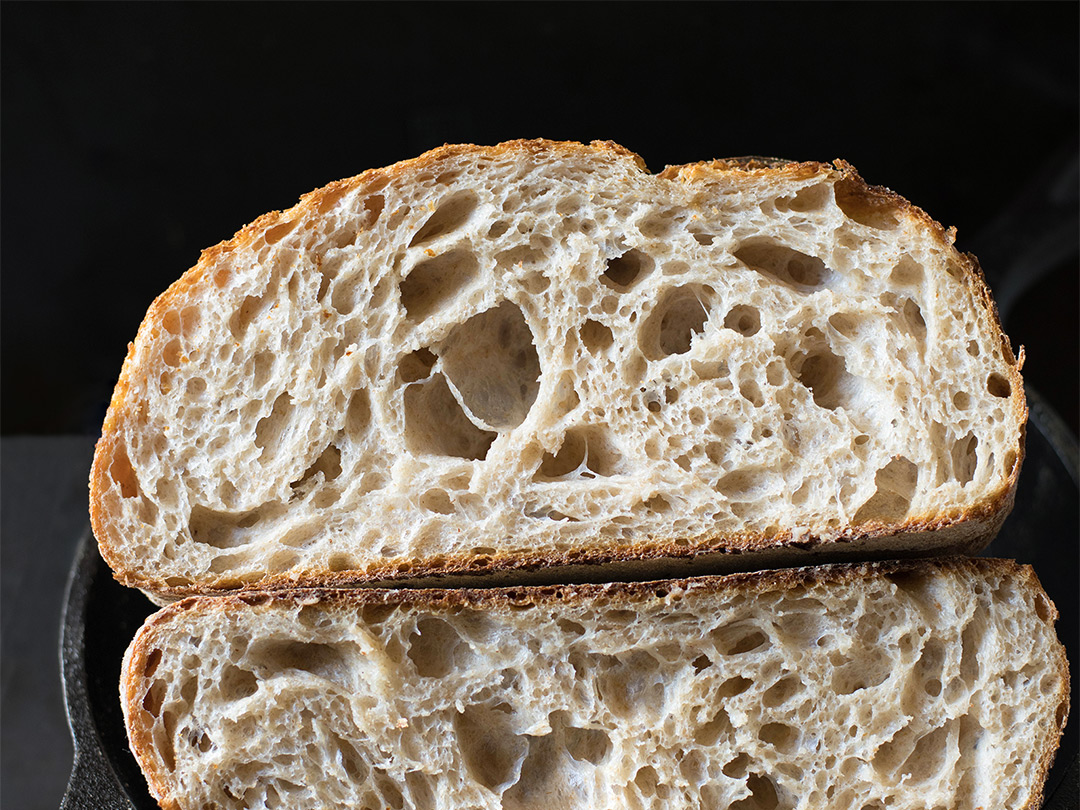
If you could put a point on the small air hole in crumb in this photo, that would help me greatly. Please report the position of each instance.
(123, 474)
(781, 736)
(907, 273)
(762, 796)
(774, 373)
(657, 503)
(782, 691)
(751, 392)
(535, 282)
(568, 206)
(733, 687)
(432, 284)
(866, 206)
(416, 365)
(571, 627)
(497, 229)
(451, 215)
(200, 741)
(170, 355)
(913, 318)
(171, 322)
(568, 458)
(595, 336)
(827, 377)
(152, 661)
(278, 232)
(736, 768)
(965, 458)
(806, 199)
(658, 224)
(435, 423)
(434, 647)
(739, 638)
(846, 323)
(154, 696)
(784, 264)
(376, 614)
(166, 750)
(437, 500)
(895, 483)
(678, 318)
(331, 197)
(998, 386)
(1042, 608)
(623, 271)
(744, 319)
(973, 348)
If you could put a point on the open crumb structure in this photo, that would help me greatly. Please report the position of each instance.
(539, 354)
(929, 686)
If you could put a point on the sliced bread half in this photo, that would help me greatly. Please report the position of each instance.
(892, 685)
(540, 355)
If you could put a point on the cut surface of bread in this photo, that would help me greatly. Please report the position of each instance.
(539, 354)
(889, 685)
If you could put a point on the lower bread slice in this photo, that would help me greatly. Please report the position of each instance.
(899, 685)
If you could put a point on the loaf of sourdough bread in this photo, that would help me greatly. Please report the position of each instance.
(889, 685)
(539, 355)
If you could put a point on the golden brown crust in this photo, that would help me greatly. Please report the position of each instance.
(719, 553)
(132, 672)
(963, 532)
(1061, 715)
(749, 582)
(711, 170)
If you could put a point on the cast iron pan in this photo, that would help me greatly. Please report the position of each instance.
(101, 617)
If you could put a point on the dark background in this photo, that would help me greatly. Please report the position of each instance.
(135, 135)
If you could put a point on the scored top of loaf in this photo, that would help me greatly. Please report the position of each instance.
(538, 354)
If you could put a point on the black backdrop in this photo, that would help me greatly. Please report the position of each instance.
(134, 135)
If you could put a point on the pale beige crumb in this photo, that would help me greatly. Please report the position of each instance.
(539, 354)
(907, 687)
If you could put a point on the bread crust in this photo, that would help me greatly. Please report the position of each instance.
(964, 531)
(719, 554)
(138, 668)
(614, 592)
